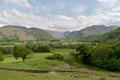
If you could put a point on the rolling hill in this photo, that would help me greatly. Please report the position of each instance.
(18, 33)
(89, 31)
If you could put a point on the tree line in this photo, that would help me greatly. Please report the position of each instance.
(23, 51)
(105, 56)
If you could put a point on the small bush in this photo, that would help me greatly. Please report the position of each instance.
(113, 64)
(102, 78)
(1, 56)
(55, 57)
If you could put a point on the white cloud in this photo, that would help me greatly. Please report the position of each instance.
(16, 17)
(39, 9)
(78, 9)
(63, 17)
(62, 22)
(116, 9)
(20, 3)
(107, 3)
(58, 22)
(108, 0)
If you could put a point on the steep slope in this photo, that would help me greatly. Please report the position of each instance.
(92, 30)
(18, 33)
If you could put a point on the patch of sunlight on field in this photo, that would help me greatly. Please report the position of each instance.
(40, 55)
(11, 59)
(37, 61)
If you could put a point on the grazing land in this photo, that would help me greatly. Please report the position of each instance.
(39, 61)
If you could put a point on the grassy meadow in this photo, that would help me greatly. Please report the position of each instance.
(38, 61)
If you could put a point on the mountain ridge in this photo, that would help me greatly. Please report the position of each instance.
(89, 31)
(20, 33)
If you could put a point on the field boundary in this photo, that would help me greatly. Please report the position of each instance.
(41, 70)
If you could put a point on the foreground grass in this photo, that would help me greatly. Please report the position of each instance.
(92, 75)
(12, 75)
(38, 61)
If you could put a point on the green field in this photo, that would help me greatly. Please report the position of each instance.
(38, 61)
(13, 75)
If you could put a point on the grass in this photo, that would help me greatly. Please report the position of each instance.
(38, 61)
(92, 75)
(12, 75)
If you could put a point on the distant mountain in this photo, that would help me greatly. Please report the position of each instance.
(89, 31)
(40, 34)
(18, 33)
(56, 34)
(108, 37)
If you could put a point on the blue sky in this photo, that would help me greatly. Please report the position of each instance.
(61, 15)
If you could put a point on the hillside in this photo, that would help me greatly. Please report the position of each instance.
(40, 34)
(111, 36)
(89, 31)
(18, 33)
(56, 34)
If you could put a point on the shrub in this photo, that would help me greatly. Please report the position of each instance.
(1, 56)
(81, 53)
(55, 57)
(113, 64)
(8, 50)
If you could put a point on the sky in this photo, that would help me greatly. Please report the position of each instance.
(60, 15)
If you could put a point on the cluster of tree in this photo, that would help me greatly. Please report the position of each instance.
(23, 51)
(6, 50)
(60, 45)
(17, 51)
(46, 47)
(103, 56)
(38, 47)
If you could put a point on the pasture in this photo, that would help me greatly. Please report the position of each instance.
(38, 61)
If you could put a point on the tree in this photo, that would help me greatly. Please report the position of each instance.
(100, 55)
(116, 48)
(81, 53)
(21, 52)
(113, 64)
